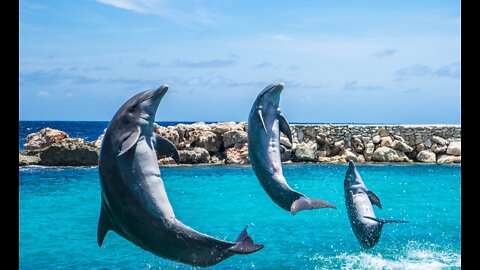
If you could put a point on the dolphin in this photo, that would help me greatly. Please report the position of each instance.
(134, 202)
(366, 227)
(265, 122)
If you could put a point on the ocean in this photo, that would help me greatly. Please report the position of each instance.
(59, 209)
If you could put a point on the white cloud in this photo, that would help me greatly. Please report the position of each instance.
(43, 93)
(183, 14)
(281, 37)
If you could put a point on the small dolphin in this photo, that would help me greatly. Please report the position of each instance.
(134, 202)
(366, 227)
(265, 122)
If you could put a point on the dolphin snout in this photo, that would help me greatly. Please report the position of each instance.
(161, 90)
(278, 87)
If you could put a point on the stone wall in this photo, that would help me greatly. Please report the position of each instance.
(226, 143)
(377, 143)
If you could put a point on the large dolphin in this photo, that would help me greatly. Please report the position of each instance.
(134, 202)
(358, 199)
(265, 122)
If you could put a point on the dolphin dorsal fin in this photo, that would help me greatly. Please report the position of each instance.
(104, 225)
(261, 120)
(284, 126)
(166, 148)
(374, 199)
(130, 141)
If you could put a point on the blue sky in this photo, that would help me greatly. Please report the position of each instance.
(341, 61)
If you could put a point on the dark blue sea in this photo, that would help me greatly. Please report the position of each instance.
(59, 209)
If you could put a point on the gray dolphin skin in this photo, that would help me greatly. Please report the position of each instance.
(358, 199)
(265, 122)
(134, 202)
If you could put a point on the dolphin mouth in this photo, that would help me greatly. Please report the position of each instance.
(157, 93)
(272, 89)
(277, 88)
(160, 91)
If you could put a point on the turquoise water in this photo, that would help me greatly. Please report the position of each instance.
(59, 210)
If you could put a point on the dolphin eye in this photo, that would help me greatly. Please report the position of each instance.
(132, 109)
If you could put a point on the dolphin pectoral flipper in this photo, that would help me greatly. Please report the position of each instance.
(244, 244)
(130, 141)
(104, 226)
(382, 220)
(284, 126)
(166, 148)
(374, 199)
(304, 203)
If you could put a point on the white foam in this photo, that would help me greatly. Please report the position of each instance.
(413, 257)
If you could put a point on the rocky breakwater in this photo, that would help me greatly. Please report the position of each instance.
(51, 147)
(226, 143)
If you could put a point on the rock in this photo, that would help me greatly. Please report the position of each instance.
(285, 142)
(300, 135)
(285, 153)
(427, 143)
(368, 153)
(420, 147)
(439, 140)
(230, 138)
(426, 156)
(376, 139)
(357, 145)
(401, 146)
(386, 154)
(98, 142)
(69, 152)
(194, 155)
(221, 128)
(439, 149)
(337, 147)
(322, 139)
(383, 132)
(455, 148)
(206, 139)
(399, 138)
(449, 159)
(334, 159)
(349, 155)
(386, 141)
(27, 160)
(168, 133)
(305, 152)
(44, 138)
(166, 161)
(216, 159)
(237, 154)
(360, 159)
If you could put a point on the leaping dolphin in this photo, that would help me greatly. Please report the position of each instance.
(265, 122)
(134, 202)
(366, 227)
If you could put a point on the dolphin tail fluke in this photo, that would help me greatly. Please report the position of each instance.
(382, 220)
(103, 226)
(304, 203)
(244, 244)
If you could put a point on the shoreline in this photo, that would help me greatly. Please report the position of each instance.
(396, 164)
(225, 143)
